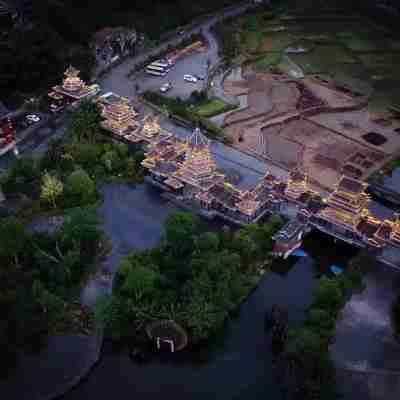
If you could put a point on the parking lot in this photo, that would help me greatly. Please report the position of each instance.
(193, 64)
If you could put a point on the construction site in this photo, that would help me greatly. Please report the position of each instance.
(311, 124)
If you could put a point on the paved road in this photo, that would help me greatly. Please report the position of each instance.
(118, 82)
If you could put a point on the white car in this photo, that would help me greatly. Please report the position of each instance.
(190, 78)
(33, 118)
(165, 87)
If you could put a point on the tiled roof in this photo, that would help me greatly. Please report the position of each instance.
(350, 185)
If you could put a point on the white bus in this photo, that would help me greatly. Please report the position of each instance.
(160, 64)
(155, 73)
(154, 70)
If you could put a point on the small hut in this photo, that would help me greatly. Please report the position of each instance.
(167, 334)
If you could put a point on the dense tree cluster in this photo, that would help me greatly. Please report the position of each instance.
(39, 274)
(194, 277)
(67, 174)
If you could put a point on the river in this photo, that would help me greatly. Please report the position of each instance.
(238, 365)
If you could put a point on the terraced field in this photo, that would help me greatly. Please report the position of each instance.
(350, 50)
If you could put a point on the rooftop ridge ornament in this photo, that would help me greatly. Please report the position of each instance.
(197, 140)
(71, 72)
(151, 125)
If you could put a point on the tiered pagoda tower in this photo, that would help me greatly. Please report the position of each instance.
(198, 168)
(120, 117)
(297, 185)
(346, 204)
(73, 86)
(151, 127)
(72, 82)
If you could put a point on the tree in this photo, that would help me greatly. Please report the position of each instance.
(140, 281)
(305, 346)
(208, 241)
(103, 311)
(252, 23)
(85, 124)
(275, 223)
(51, 305)
(80, 230)
(322, 322)
(86, 154)
(130, 168)
(52, 189)
(111, 160)
(22, 177)
(14, 239)
(81, 188)
(329, 296)
(180, 229)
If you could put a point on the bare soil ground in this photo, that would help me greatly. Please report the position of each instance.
(329, 95)
(326, 145)
(355, 124)
(320, 152)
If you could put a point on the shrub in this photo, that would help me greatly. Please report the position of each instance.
(111, 160)
(22, 177)
(87, 155)
(80, 188)
(52, 189)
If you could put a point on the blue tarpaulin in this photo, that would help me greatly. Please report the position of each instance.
(299, 253)
(336, 270)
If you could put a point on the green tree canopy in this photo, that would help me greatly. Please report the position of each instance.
(329, 295)
(14, 239)
(80, 187)
(180, 230)
(85, 124)
(52, 189)
(140, 281)
(208, 241)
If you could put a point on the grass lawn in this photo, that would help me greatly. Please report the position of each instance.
(212, 107)
(268, 60)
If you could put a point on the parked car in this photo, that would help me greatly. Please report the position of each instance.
(190, 78)
(165, 87)
(32, 118)
(200, 77)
